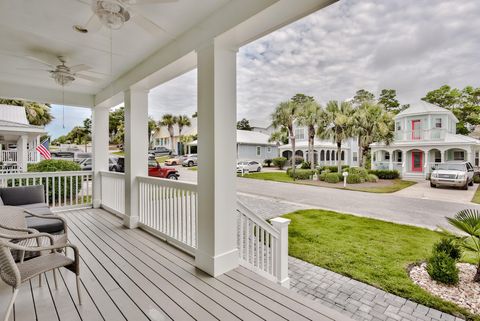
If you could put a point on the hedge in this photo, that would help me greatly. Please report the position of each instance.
(385, 174)
(332, 169)
(332, 178)
(354, 179)
(280, 162)
(360, 171)
(301, 173)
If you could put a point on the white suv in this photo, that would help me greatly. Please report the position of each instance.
(459, 174)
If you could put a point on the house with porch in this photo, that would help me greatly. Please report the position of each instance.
(150, 249)
(18, 139)
(325, 151)
(425, 135)
(161, 136)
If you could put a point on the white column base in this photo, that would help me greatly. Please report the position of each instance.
(130, 221)
(218, 264)
(97, 203)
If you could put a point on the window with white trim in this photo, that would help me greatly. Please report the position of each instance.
(398, 125)
(438, 156)
(459, 155)
(259, 151)
(477, 158)
(438, 123)
(300, 133)
(355, 156)
(269, 149)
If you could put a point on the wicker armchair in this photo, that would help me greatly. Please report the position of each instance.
(15, 274)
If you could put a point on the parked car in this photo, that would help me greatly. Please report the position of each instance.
(160, 151)
(173, 161)
(155, 170)
(113, 164)
(86, 164)
(248, 166)
(457, 174)
(119, 166)
(190, 160)
(65, 153)
(79, 157)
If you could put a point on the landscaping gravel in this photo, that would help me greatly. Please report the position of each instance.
(466, 293)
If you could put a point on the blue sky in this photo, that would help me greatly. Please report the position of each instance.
(74, 116)
(412, 46)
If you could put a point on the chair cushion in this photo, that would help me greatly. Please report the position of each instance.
(22, 195)
(44, 225)
(37, 208)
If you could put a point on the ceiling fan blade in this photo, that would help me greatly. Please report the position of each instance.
(140, 2)
(84, 2)
(93, 24)
(44, 59)
(92, 79)
(78, 68)
(34, 69)
(148, 25)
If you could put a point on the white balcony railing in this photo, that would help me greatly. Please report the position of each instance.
(63, 190)
(420, 134)
(32, 156)
(169, 209)
(262, 247)
(8, 156)
(113, 192)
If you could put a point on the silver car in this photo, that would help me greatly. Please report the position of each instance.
(190, 160)
(456, 174)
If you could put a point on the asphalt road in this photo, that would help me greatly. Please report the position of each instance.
(400, 209)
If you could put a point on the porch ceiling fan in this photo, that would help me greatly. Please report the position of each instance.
(114, 14)
(60, 71)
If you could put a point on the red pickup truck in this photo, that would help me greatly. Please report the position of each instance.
(155, 170)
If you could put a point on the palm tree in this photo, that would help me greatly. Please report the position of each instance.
(337, 123)
(182, 121)
(373, 124)
(308, 116)
(37, 114)
(468, 221)
(168, 120)
(284, 117)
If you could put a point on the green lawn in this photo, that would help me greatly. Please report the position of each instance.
(368, 250)
(194, 168)
(476, 197)
(398, 184)
(119, 153)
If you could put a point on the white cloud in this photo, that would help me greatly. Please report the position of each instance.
(410, 45)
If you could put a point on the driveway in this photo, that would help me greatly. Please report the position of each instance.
(423, 190)
(273, 198)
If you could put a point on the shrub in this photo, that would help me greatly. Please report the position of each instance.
(332, 178)
(476, 179)
(268, 162)
(372, 178)
(385, 174)
(61, 187)
(305, 165)
(280, 162)
(301, 173)
(332, 169)
(340, 176)
(323, 174)
(298, 160)
(441, 267)
(360, 171)
(448, 246)
(354, 179)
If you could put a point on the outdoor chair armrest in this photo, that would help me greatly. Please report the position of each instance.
(52, 248)
(29, 236)
(18, 229)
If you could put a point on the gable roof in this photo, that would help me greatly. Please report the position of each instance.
(422, 107)
(13, 114)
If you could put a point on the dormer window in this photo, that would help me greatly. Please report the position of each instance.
(300, 133)
(438, 123)
(398, 126)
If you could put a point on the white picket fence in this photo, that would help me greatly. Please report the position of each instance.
(63, 190)
(169, 209)
(113, 192)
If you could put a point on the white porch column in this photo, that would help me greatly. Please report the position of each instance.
(100, 138)
(22, 153)
(136, 150)
(217, 228)
(390, 160)
(427, 163)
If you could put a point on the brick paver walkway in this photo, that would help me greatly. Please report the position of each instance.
(358, 300)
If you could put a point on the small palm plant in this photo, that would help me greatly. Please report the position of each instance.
(468, 221)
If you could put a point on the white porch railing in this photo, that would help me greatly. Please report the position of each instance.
(383, 165)
(169, 209)
(8, 156)
(113, 192)
(63, 190)
(32, 156)
(262, 247)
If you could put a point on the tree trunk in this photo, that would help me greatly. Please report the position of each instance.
(339, 157)
(294, 160)
(311, 142)
(476, 278)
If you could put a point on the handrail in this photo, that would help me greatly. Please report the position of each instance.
(243, 209)
(169, 183)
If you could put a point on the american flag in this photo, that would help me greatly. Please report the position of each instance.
(43, 149)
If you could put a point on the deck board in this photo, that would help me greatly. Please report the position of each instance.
(132, 275)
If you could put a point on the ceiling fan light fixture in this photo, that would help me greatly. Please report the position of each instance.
(62, 78)
(111, 14)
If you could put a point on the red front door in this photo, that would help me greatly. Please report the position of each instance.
(415, 129)
(417, 161)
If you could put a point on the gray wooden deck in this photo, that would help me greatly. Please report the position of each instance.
(131, 275)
